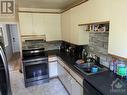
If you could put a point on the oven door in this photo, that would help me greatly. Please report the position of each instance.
(89, 90)
(36, 70)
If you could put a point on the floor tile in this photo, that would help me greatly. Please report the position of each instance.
(54, 87)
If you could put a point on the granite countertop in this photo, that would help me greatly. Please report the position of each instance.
(101, 81)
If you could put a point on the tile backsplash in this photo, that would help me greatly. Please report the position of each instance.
(49, 45)
(98, 44)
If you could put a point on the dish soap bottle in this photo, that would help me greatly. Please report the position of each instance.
(115, 66)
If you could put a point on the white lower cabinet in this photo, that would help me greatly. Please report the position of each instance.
(53, 67)
(69, 85)
(76, 88)
(73, 87)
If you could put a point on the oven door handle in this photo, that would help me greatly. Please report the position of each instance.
(35, 63)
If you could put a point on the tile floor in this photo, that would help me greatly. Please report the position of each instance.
(54, 87)
(15, 62)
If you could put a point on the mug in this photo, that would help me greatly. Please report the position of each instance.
(94, 69)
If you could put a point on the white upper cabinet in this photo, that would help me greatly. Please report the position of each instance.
(66, 26)
(38, 24)
(26, 23)
(118, 28)
(41, 24)
(91, 11)
(52, 25)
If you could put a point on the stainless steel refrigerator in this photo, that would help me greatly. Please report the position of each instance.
(5, 87)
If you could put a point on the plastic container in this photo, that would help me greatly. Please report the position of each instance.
(121, 70)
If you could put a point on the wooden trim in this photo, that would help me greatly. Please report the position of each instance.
(39, 12)
(77, 3)
(94, 23)
(74, 5)
(116, 56)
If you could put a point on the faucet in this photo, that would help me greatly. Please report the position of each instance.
(95, 60)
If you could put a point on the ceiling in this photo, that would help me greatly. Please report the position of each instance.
(47, 4)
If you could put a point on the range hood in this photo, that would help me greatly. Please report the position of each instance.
(33, 37)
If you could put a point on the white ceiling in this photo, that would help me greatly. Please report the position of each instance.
(46, 4)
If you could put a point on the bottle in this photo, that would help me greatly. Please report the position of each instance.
(121, 69)
(84, 54)
(115, 66)
(111, 66)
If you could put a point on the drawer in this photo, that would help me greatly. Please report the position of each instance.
(74, 74)
(77, 77)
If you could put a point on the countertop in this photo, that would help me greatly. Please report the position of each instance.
(102, 82)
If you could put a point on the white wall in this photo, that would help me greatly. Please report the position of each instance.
(14, 34)
(5, 35)
(8, 48)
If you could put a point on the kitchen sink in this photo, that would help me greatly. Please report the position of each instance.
(86, 68)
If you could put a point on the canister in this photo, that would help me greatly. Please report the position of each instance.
(121, 69)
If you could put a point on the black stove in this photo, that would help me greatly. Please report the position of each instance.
(35, 66)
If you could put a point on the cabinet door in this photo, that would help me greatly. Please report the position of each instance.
(26, 23)
(38, 24)
(52, 26)
(65, 77)
(76, 88)
(53, 69)
(68, 84)
(118, 28)
(60, 72)
(66, 26)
